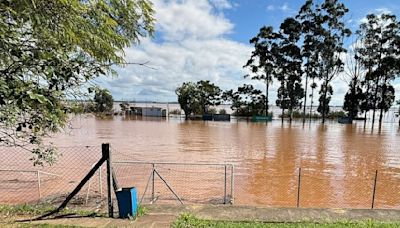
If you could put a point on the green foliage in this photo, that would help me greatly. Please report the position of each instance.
(288, 66)
(142, 211)
(124, 106)
(324, 32)
(189, 220)
(49, 50)
(353, 101)
(175, 112)
(336, 114)
(103, 101)
(246, 101)
(35, 210)
(261, 62)
(196, 98)
(207, 95)
(222, 112)
(212, 111)
(379, 53)
(187, 98)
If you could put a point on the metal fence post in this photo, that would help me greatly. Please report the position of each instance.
(232, 198)
(374, 190)
(39, 188)
(100, 184)
(298, 188)
(152, 184)
(106, 153)
(224, 184)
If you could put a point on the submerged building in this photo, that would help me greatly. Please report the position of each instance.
(149, 111)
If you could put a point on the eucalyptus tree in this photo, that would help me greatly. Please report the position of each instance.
(309, 48)
(261, 62)
(354, 75)
(323, 35)
(380, 51)
(48, 50)
(331, 33)
(288, 66)
(398, 111)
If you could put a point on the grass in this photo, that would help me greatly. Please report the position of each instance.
(25, 209)
(142, 211)
(10, 212)
(189, 220)
(45, 226)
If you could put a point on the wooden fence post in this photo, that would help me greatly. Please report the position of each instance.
(105, 149)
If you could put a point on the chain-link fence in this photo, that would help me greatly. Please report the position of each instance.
(21, 182)
(170, 182)
(307, 188)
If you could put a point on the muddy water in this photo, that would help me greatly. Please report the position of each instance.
(338, 162)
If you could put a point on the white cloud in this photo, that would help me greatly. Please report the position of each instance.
(271, 7)
(179, 20)
(191, 46)
(221, 4)
(285, 8)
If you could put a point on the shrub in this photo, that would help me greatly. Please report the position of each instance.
(222, 111)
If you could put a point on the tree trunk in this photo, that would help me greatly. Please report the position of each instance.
(312, 101)
(353, 113)
(266, 95)
(324, 102)
(290, 115)
(305, 98)
(383, 98)
(283, 113)
(186, 114)
(375, 98)
(365, 118)
(399, 115)
(380, 117)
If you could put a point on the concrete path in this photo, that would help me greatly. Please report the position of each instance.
(164, 215)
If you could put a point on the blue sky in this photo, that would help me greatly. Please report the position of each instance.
(208, 40)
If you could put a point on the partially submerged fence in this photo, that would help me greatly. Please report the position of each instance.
(187, 183)
(173, 182)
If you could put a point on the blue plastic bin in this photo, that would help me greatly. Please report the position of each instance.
(127, 202)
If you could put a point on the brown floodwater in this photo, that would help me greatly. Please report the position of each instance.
(338, 162)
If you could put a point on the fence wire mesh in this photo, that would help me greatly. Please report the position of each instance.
(21, 182)
(162, 182)
(177, 182)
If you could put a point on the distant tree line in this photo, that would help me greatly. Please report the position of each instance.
(311, 46)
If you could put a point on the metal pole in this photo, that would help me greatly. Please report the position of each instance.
(298, 188)
(107, 155)
(152, 185)
(100, 184)
(232, 184)
(225, 184)
(169, 187)
(39, 189)
(88, 192)
(374, 190)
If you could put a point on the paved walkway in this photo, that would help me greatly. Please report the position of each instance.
(164, 215)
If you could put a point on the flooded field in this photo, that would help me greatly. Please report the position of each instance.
(338, 162)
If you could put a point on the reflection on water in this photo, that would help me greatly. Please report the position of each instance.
(338, 161)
